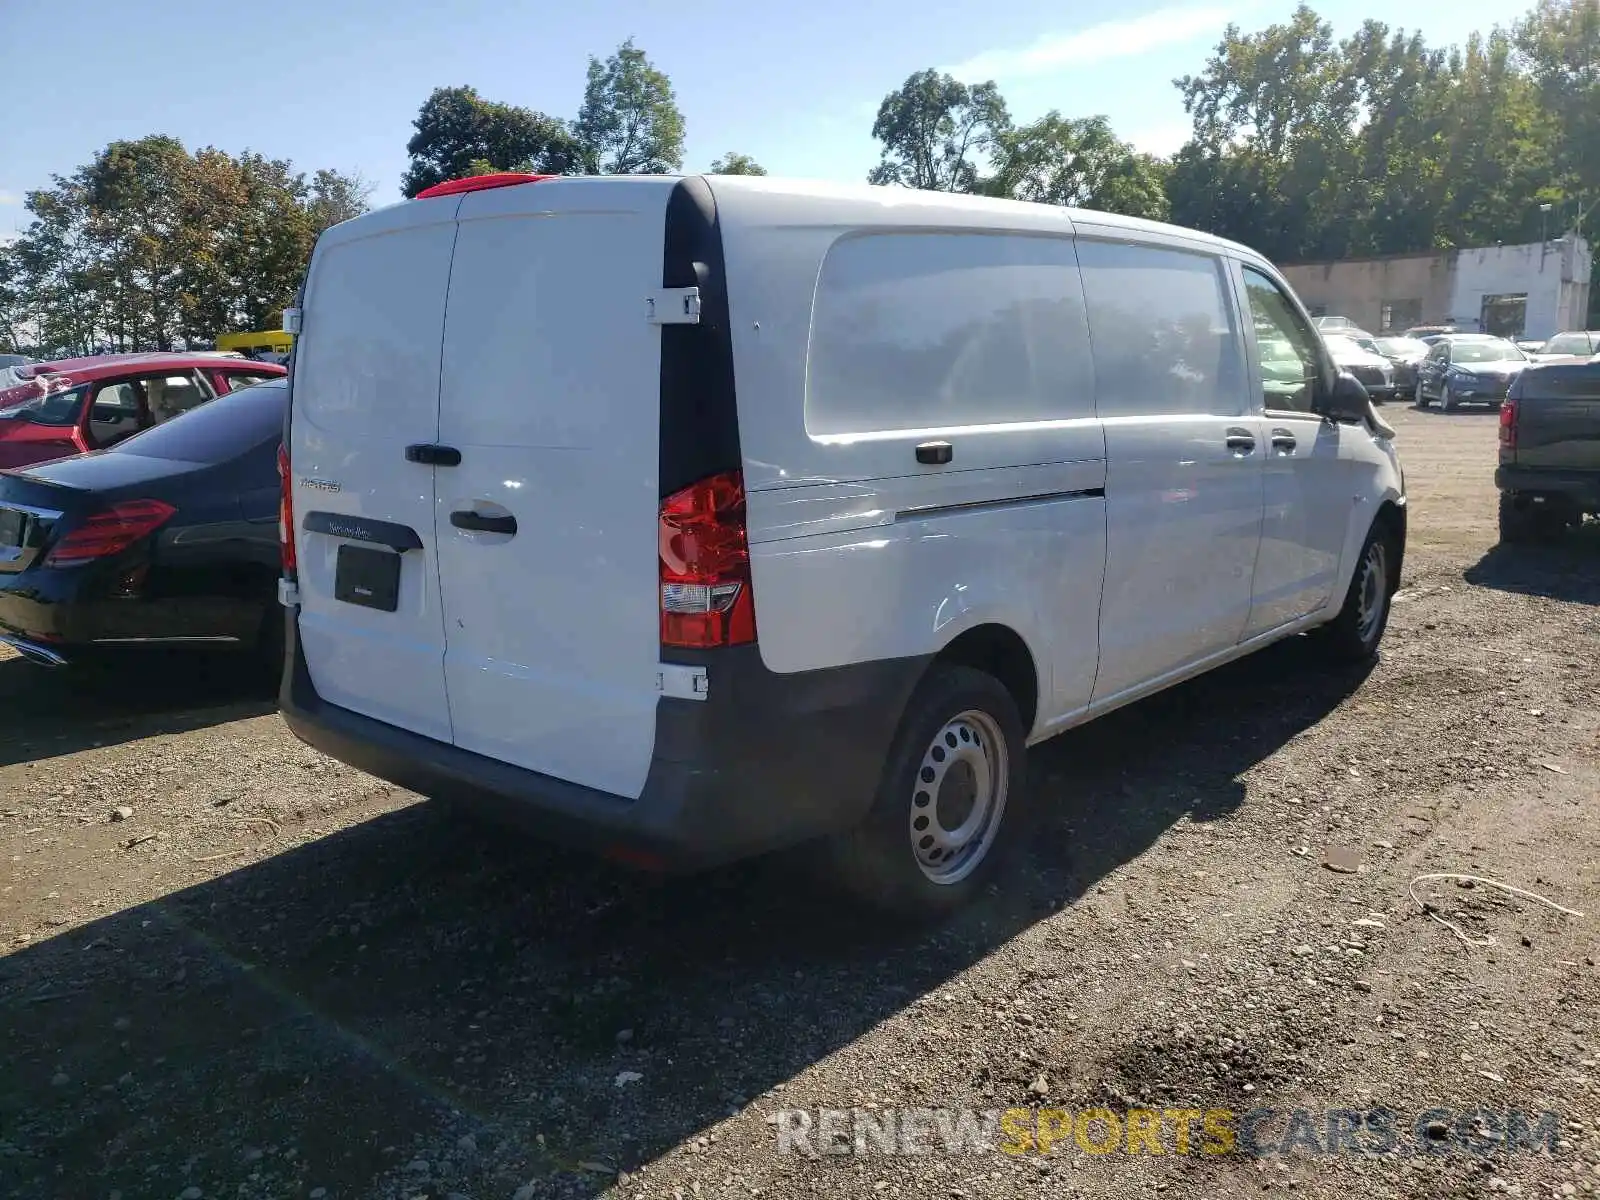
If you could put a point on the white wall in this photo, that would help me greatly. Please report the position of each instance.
(1552, 275)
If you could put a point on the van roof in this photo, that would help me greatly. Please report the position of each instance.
(762, 199)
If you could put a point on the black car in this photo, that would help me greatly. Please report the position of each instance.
(169, 536)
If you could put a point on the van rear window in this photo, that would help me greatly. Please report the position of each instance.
(928, 331)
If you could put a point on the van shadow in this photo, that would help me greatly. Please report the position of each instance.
(1567, 568)
(46, 711)
(410, 998)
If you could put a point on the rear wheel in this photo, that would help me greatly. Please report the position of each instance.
(1353, 635)
(270, 647)
(1523, 521)
(949, 804)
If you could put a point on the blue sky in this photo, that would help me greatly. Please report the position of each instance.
(337, 82)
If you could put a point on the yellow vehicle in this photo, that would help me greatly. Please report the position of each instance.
(254, 345)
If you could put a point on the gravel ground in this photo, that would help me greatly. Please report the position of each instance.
(235, 968)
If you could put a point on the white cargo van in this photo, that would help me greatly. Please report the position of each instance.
(690, 518)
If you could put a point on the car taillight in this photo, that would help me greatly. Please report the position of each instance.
(705, 566)
(285, 513)
(109, 532)
(1508, 424)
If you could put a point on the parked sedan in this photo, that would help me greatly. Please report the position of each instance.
(1406, 355)
(82, 404)
(169, 536)
(1578, 345)
(1468, 369)
(1375, 372)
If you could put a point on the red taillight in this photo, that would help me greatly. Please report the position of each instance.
(478, 183)
(705, 566)
(109, 532)
(1508, 424)
(285, 512)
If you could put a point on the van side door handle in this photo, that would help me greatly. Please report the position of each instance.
(1240, 442)
(1283, 441)
(478, 522)
(433, 455)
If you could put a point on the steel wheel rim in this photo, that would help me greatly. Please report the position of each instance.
(1373, 595)
(965, 770)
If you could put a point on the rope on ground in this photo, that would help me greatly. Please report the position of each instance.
(1466, 937)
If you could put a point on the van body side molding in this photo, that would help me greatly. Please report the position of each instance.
(363, 529)
(935, 510)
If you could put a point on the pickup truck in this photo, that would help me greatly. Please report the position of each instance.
(1549, 472)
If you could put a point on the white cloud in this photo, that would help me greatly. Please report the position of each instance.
(1161, 140)
(9, 198)
(1111, 39)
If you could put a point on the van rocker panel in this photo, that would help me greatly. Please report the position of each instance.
(765, 762)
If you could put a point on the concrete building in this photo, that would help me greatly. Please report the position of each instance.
(1535, 290)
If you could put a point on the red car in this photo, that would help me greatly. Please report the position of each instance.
(81, 404)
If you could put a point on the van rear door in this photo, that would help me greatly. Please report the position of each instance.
(547, 529)
(366, 386)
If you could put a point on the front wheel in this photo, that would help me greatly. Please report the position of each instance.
(1353, 635)
(1447, 399)
(1418, 398)
(949, 803)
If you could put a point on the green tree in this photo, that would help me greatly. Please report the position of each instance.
(337, 197)
(737, 164)
(135, 208)
(1080, 163)
(460, 133)
(1559, 45)
(933, 130)
(148, 245)
(629, 123)
(14, 320)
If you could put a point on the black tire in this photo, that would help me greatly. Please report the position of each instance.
(1418, 399)
(878, 861)
(1353, 635)
(1525, 523)
(271, 645)
(1447, 399)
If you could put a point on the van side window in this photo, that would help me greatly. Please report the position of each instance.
(1165, 338)
(1290, 365)
(939, 330)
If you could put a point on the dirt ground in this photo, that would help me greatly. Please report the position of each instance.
(277, 977)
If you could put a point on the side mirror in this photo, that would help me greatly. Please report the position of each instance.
(1348, 401)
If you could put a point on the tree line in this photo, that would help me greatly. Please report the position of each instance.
(1302, 145)
(150, 246)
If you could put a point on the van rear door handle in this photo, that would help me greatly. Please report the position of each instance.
(479, 523)
(935, 454)
(1283, 441)
(1240, 442)
(433, 455)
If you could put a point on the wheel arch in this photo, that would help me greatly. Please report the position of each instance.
(1392, 516)
(1000, 651)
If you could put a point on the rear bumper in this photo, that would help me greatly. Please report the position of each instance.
(766, 761)
(1581, 488)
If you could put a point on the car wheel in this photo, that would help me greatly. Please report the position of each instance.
(1353, 635)
(270, 647)
(1447, 398)
(1522, 521)
(1418, 398)
(949, 804)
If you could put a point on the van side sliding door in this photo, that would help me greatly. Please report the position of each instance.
(1183, 480)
